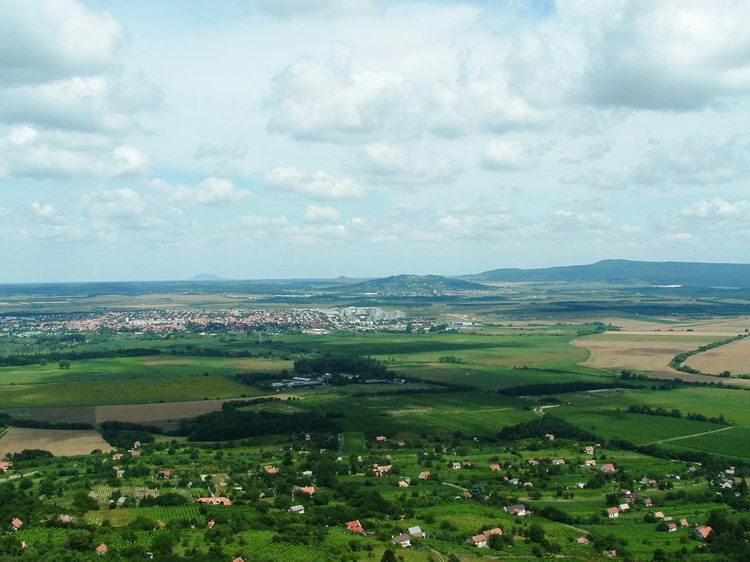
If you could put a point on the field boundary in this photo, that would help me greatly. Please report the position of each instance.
(681, 437)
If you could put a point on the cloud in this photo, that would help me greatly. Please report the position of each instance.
(502, 154)
(383, 164)
(328, 102)
(45, 40)
(253, 227)
(228, 151)
(592, 152)
(43, 210)
(717, 209)
(662, 55)
(315, 9)
(565, 219)
(27, 152)
(695, 160)
(475, 222)
(212, 191)
(315, 185)
(316, 213)
(680, 238)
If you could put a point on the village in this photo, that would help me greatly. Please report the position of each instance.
(400, 491)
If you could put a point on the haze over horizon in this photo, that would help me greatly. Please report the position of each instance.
(158, 141)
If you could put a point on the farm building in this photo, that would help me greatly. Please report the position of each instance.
(417, 532)
(297, 509)
(403, 540)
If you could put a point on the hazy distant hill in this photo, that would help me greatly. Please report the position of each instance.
(625, 271)
(413, 284)
(207, 277)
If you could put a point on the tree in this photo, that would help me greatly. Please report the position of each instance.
(64, 364)
(388, 556)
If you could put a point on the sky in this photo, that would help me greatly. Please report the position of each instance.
(299, 139)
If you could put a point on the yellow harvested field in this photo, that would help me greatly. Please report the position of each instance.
(637, 352)
(733, 357)
(59, 442)
(165, 411)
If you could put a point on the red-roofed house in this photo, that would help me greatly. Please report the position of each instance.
(424, 475)
(309, 490)
(16, 524)
(494, 467)
(355, 527)
(613, 512)
(102, 549)
(381, 438)
(271, 469)
(219, 500)
(5, 466)
(702, 533)
(608, 467)
(480, 540)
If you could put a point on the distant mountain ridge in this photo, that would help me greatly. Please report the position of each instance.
(414, 284)
(207, 277)
(626, 272)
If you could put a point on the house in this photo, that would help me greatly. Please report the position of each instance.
(659, 515)
(67, 519)
(702, 533)
(164, 474)
(355, 527)
(648, 502)
(309, 490)
(424, 475)
(610, 553)
(456, 465)
(480, 540)
(117, 456)
(403, 540)
(613, 512)
(672, 527)
(533, 462)
(5, 466)
(494, 467)
(582, 540)
(307, 437)
(589, 450)
(684, 523)
(381, 470)
(297, 509)
(417, 532)
(16, 524)
(467, 464)
(210, 523)
(558, 462)
(514, 481)
(589, 462)
(608, 467)
(549, 436)
(102, 549)
(518, 509)
(218, 500)
(381, 438)
(238, 559)
(580, 485)
(403, 484)
(624, 507)
(494, 531)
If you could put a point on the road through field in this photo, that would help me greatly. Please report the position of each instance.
(681, 437)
